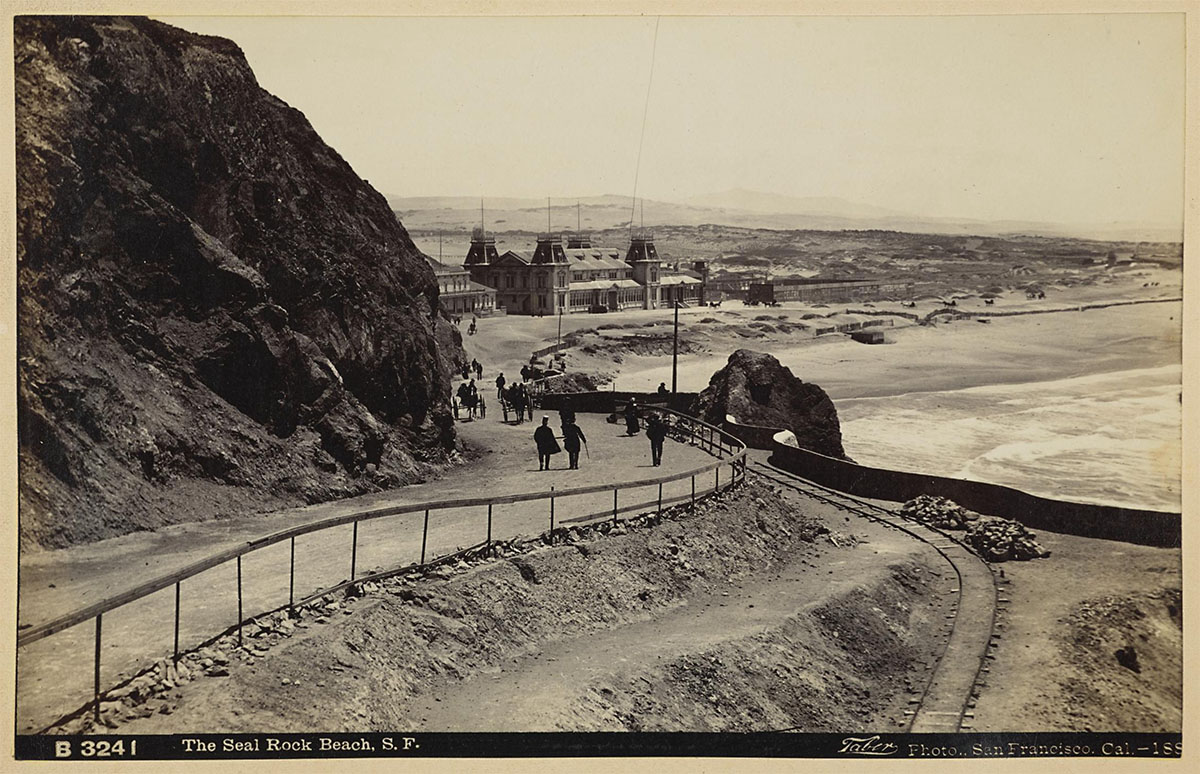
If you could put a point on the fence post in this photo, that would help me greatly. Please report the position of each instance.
(239, 568)
(96, 674)
(292, 576)
(489, 537)
(424, 536)
(660, 498)
(354, 551)
(551, 514)
(614, 505)
(176, 622)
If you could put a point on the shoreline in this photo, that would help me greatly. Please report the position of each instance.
(922, 359)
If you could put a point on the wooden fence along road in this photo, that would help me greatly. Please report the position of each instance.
(192, 605)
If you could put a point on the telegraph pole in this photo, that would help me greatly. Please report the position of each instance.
(675, 351)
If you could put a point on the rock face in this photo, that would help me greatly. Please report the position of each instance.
(215, 313)
(756, 389)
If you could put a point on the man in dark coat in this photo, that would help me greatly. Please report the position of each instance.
(546, 444)
(656, 431)
(572, 435)
(500, 381)
(463, 393)
(519, 401)
(566, 414)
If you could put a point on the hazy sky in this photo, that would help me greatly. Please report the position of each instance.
(1074, 118)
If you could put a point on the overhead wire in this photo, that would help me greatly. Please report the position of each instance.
(642, 139)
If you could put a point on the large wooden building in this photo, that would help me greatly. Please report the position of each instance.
(577, 276)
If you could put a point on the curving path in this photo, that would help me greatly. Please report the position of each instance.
(946, 704)
(54, 674)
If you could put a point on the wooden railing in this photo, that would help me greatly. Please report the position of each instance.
(729, 451)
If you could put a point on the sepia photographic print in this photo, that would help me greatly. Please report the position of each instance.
(874, 320)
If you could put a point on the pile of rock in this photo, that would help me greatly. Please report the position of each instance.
(938, 512)
(1003, 540)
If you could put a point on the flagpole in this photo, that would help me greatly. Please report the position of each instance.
(675, 351)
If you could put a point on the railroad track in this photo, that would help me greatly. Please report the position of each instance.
(946, 705)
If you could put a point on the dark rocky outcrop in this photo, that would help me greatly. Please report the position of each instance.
(215, 312)
(756, 389)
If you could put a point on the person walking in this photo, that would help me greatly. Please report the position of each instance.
(656, 431)
(462, 398)
(566, 414)
(546, 443)
(500, 382)
(572, 436)
(632, 427)
(519, 402)
(472, 398)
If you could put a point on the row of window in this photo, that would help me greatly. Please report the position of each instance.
(455, 284)
(510, 280)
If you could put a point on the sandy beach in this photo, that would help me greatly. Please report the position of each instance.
(1078, 405)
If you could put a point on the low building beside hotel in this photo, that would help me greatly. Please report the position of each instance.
(459, 293)
(826, 291)
(687, 286)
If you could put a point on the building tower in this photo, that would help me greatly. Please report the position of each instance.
(549, 275)
(579, 240)
(482, 252)
(644, 259)
(483, 249)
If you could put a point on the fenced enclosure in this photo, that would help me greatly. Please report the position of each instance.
(216, 596)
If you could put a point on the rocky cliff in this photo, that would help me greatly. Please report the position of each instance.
(757, 389)
(215, 313)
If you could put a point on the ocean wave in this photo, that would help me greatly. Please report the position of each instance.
(1112, 438)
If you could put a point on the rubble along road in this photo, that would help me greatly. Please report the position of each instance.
(759, 611)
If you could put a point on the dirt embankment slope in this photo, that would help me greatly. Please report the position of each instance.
(757, 612)
(1103, 652)
(216, 313)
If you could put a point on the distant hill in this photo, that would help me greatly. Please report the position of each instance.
(738, 208)
(740, 199)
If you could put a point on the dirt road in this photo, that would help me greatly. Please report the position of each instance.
(55, 674)
(545, 691)
(741, 616)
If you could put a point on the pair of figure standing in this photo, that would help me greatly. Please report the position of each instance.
(547, 444)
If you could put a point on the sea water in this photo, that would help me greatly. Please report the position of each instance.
(1109, 438)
